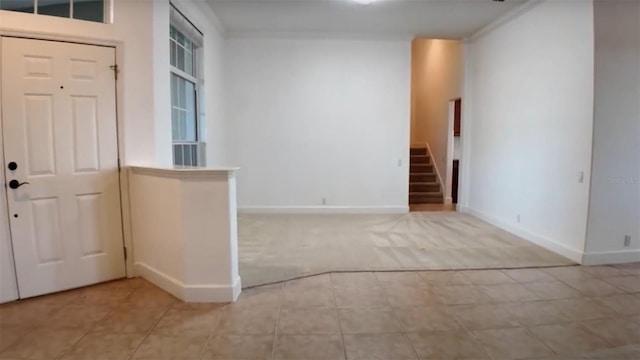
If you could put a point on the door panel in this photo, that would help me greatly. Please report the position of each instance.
(85, 131)
(46, 230)
(59, 126)
(38, 123)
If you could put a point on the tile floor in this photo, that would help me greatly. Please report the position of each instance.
(545, 313)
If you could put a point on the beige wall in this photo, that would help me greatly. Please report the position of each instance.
(436, 78)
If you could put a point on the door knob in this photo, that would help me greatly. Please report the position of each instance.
(12, 166)
(14, 184)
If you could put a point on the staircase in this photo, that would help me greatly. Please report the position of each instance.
(424, 187)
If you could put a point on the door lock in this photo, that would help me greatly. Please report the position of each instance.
(14, 184)
(12, 166)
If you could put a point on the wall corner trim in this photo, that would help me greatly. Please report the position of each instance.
(315, 35)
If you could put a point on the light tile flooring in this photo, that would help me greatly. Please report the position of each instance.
(545, 313)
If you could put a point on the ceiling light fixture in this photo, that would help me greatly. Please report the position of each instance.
(364, 2)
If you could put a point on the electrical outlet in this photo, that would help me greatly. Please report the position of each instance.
(518, 218)
(627, 240)
(324, 201)
(581, 177)
(400, 163)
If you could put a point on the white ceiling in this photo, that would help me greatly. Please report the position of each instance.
(452, 19)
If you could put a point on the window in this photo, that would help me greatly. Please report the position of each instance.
(90, 10)
(188, 147)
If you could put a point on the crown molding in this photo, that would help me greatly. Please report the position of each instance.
(504, 19)
(317, 35)
(202, 6)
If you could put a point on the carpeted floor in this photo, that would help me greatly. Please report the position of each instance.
(275, 248)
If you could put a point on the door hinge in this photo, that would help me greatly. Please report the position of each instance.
(116, 70)
(119, 167)
(125, 252)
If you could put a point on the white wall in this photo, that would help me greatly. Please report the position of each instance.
(530, 105)
(311, 118)
(161, 83)
(155, 207)
(614, 209)
(185, 221)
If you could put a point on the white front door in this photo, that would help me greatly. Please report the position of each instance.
(60, 134)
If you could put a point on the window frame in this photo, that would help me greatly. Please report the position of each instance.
(106, 12)
(197, 82)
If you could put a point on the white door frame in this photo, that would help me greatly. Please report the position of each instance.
(448, 180)
(9, 286)
(451, 141)
(123, 176)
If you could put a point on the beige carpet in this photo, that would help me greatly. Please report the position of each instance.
(274, 248)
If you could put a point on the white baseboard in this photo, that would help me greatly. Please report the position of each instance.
(201, 293)
(611, 257)
(549, 244)
(323, 209)
(448, 200)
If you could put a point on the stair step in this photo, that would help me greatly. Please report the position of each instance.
(425, 193)
(418, 151)
(420, 159)
(426, 198)
(413, 201)
(424, 187)
(421, 168)
(421, 177)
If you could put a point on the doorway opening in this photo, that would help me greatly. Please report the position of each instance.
(436, 115)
